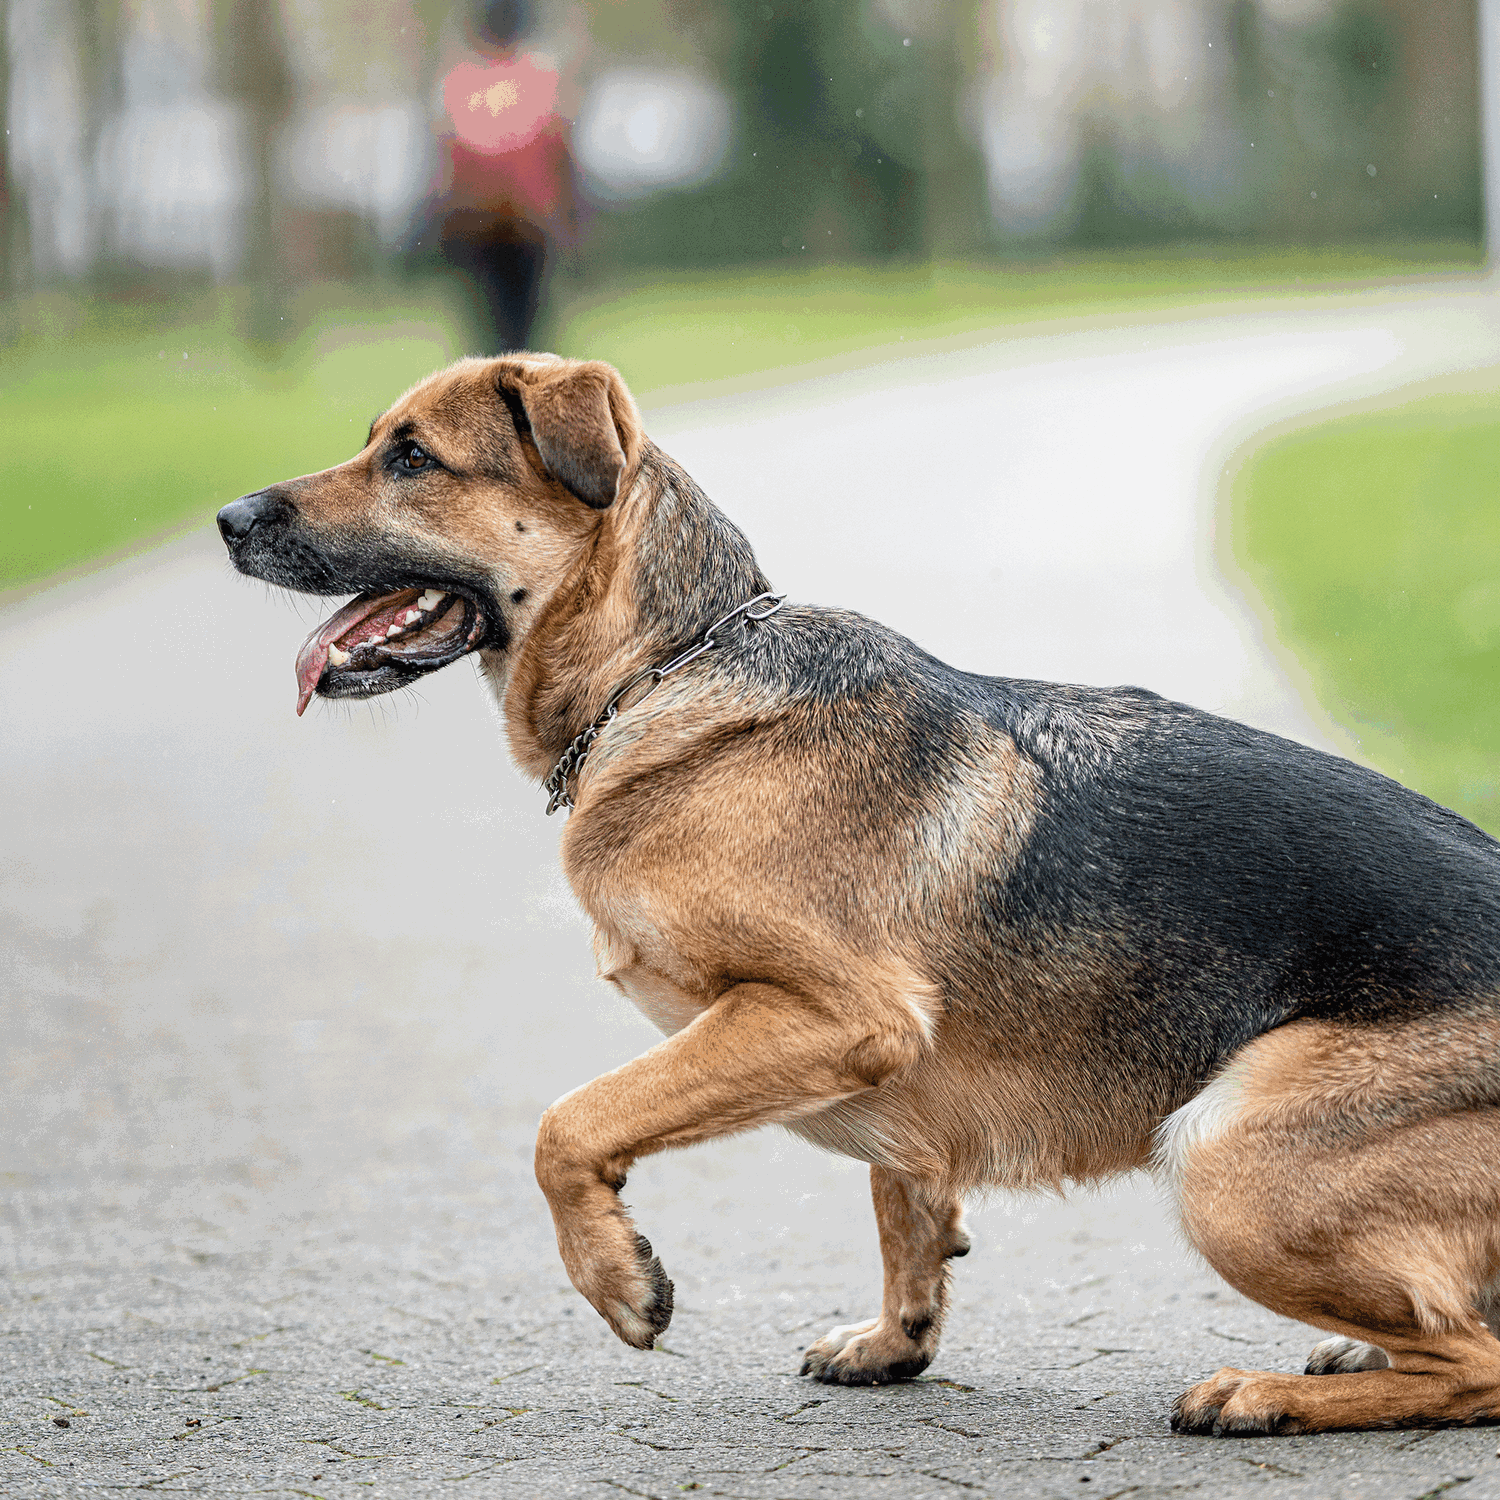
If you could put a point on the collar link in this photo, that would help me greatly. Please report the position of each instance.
(570, 762)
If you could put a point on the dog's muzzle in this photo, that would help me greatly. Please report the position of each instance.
(395, 631)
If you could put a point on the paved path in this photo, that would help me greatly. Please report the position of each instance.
(286, 998)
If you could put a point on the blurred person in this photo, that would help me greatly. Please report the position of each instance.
(507, 195)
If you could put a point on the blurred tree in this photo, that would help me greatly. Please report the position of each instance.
(957, 208)
(251, 52)
(849, 140)
(1375, 121)
(13, 259)
(1324, 122)
(47, 121)
(1488, 83)
(99, 36)
(100, 33)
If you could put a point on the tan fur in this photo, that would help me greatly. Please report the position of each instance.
(779, 931)
(1336, 1188)
(919, 1234)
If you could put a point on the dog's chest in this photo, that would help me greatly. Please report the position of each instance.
(650, 979)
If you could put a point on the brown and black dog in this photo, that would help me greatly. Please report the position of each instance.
(968, 929)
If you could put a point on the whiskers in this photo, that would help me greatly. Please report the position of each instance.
(384, 709)
(309, 608)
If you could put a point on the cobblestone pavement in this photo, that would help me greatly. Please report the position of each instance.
(285, 1000)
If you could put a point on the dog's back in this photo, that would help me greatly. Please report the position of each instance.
(1230, 880)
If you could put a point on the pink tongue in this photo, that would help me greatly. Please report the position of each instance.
(313, 657)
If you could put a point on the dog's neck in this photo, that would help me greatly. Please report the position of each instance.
(663, 564)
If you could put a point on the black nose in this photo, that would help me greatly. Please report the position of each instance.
(240, 517)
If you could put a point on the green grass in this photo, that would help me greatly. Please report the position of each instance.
(130, 433)
(1375, 542)
(125, 439)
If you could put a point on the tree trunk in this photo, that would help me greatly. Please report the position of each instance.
(12, 208)
(254, 72)
(957, 198)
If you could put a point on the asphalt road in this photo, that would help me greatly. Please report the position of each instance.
(285, 999)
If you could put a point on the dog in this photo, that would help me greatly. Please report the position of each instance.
(971, 930)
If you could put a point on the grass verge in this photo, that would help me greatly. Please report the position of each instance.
(1374, 541)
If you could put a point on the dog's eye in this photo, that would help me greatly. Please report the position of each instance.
(413, 457)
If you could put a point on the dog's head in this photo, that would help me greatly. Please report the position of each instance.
(471, 499)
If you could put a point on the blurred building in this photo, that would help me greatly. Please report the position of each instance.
(168, 169)
(136, 146)
(647, 129)
(297, 138)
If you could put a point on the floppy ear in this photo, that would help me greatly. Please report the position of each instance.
(582, 420)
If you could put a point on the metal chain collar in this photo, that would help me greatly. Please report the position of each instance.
(570, 762)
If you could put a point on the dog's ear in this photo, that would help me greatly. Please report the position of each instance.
(582, 420)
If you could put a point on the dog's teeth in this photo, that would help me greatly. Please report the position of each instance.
(337, 658)
(413, 614)
(392, 630)
(432, 598)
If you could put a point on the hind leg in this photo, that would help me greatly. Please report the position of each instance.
(919, 1234)
(1346, 1356)
(1341, 1356)
(1304, 1191)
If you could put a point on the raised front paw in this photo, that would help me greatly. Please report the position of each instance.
(869, 1353)
(614, 1268)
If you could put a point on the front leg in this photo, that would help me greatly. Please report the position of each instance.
(760, 1054)
(921, 1230)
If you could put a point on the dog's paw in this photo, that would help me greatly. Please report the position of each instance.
(645, 1308)
(1237, 1403)
(1341, 1356)
(624, 1281)
(869, 1353)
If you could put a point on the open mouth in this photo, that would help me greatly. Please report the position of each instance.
(378, 642)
